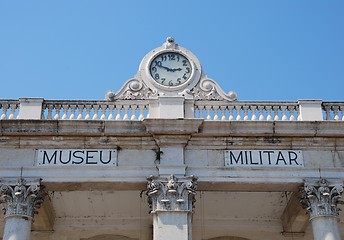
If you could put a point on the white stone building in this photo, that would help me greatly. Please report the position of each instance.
(171, 156)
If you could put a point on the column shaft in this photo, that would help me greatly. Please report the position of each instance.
(17, 228)
(325, 228)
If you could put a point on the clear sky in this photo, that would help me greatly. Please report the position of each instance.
(262, 49)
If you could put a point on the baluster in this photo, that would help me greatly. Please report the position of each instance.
(341, 110)
(65, 110)
(88, 112)
(50, 112)
(80, 110)
(126, 116)
(298, 113)
(216, 115)
(95, 115)
(238, 109)
(142, 108)
(118, 109)
(291, 111)
(223, 111)
(133, 110)
(275, 109)
(254, 113)
(284, 113)
(246, 117)
(230, 109)
(268, 111)
(103, 108)
(328, 112)
(57, 113)
(201, 109)
(111, 107)
(72, 115)
(261, 114)
(4, 112)
(335, 110)
(207, 109)
(13, 109)
(44, 107)
(147, 107)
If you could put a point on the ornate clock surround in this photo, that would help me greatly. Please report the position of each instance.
(170, 46)
(197, 87)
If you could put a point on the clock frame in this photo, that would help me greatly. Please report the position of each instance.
(175, 87)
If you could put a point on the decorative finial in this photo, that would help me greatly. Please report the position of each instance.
(170, 40)
(170, 44)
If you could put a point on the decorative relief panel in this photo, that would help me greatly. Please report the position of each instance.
(171, 194)
(321, 199)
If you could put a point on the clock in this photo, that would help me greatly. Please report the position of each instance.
(170, 69)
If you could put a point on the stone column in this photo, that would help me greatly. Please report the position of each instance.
(21, 199)
(171, 202)
(320, 199)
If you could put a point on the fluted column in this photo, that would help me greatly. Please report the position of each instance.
(21, 199)
(321, 199)
(171, 202)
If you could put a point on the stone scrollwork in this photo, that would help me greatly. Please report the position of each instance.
(133, 89)
(21, 199)
(172, 193)
(208, 89)
(321, 199)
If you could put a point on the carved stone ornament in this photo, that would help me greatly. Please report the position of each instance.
(133, 89)
(321, 199)
(21, 199)
(171, 194)
(197, 86)
(208, 89)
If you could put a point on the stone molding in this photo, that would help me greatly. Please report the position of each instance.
(171, 193)
(321, 198)
(22, 198)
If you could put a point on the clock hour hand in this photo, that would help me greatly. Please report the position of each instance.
(176, 69)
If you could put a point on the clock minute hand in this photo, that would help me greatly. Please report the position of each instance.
(168, 69)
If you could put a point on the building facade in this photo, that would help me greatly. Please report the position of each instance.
(171, 156)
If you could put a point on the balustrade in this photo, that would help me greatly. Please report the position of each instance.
(333, 111)
(9, 109)
(247, 111)
(94, 110)
(139, 109)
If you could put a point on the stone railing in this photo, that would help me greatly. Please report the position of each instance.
(9, 109)
(95, 110)
(254, 111)
(333, 110)
(303, 110)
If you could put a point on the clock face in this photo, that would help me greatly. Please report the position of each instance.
(170, 69)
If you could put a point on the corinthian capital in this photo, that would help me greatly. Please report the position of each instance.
(171, 194)
(321, 198)
(21, 198)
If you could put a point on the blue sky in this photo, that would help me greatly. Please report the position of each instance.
(263, 50)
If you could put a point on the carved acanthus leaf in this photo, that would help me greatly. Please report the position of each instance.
(321, 199)
(21, 198)
(171, 194)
